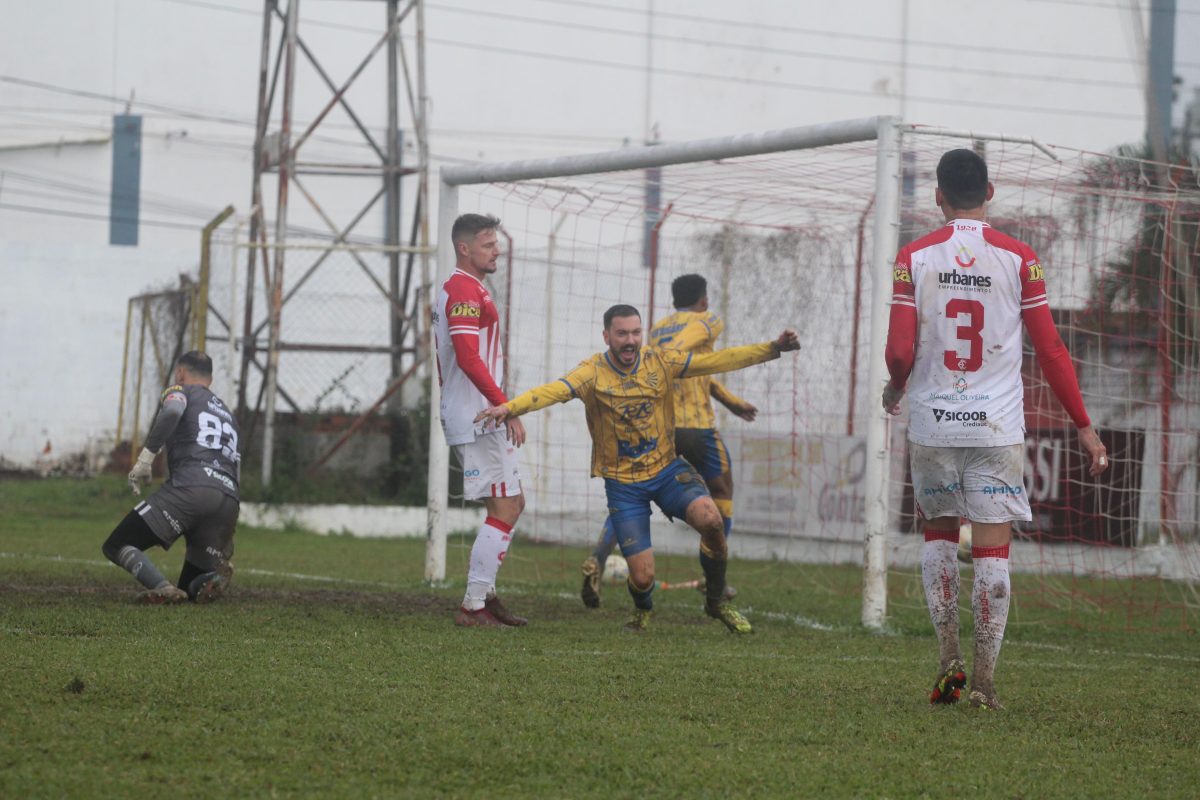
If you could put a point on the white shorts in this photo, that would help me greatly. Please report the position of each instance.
(489, 466)
(982, 484)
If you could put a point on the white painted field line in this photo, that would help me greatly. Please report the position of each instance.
(95, 562)
(796, 619)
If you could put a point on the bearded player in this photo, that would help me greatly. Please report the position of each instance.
(198, 502)
(627, 392)
(470, 361)
(960, 297)
(693, 328)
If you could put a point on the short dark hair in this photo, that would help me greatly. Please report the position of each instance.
(962, 175)
(196, 362)
(619, 310)
(468, 226)
(687, 290)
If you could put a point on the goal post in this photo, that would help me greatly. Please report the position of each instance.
(887, 188)
(799, 228)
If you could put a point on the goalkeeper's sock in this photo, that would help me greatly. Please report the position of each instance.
(939, 573)
(714, 566)
(491, 544)
(139, 565)
(989, 601)
(608, 539)
(642, 598)
(726, 509)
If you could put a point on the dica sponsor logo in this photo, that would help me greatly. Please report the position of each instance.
(967, 418)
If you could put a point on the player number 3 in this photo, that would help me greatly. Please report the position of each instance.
(970, 333)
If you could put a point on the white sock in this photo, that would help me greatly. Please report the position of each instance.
(939, 573)
(491, 544)
(989, 600)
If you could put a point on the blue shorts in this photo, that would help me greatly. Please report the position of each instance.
(672, 490)
(703, 448)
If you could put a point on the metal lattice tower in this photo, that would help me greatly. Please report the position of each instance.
(279, 154)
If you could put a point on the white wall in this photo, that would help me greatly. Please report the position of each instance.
(62, 326)
(510, 80)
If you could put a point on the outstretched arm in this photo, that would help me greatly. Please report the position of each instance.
(734, 358)
(544, 396)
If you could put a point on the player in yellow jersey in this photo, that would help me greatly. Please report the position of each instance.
(692, 328)
(628, 396)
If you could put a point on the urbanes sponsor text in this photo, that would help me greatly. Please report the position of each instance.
(956, 279)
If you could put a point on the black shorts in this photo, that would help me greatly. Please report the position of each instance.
(204, 517)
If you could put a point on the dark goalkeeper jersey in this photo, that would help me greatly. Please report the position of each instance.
(203, 448)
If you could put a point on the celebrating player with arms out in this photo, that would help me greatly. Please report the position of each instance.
(627, 395)
(469, 357)
(198, 502)
(961, 294)
(694, 329)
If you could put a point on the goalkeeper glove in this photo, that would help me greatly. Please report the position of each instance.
(141, 470)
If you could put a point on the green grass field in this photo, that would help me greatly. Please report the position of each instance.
(331, 671)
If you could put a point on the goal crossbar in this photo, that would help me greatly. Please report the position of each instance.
(664, 155)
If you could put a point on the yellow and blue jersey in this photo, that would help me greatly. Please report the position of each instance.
(693, 332)
(631, 413)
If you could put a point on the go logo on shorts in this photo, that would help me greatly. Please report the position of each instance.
(470, 473)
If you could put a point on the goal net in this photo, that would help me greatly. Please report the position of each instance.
(799, 237)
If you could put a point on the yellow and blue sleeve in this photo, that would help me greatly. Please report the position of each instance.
(574, 384)
(727, 360)
(720, 392)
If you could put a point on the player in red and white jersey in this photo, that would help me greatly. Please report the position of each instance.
(470, 365)
(960, 297)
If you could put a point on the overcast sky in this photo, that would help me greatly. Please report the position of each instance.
(528, 78)
(565, 75)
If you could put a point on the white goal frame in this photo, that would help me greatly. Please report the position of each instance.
(885, 130)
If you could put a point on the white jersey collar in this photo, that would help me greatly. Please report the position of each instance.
(973, 225)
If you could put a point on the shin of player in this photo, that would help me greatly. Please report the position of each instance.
(960, 298)
(199, 501)
(470, 363)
